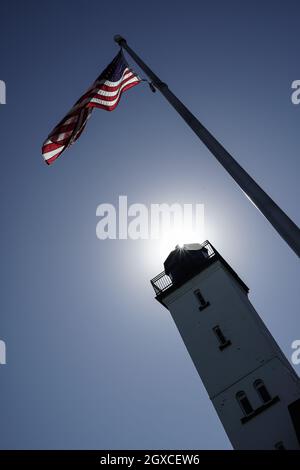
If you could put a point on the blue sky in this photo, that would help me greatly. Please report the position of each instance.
(93, 361)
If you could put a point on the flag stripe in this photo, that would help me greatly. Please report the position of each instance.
(111, 100)
(110, 107)
(105, 93)
(112, 91)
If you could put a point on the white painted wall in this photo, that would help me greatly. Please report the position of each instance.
(272, 425)
(253, 354)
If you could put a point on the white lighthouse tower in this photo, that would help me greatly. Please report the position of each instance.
(250, 382)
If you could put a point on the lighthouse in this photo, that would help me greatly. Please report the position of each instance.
(253, 388)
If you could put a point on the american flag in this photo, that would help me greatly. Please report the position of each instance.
(105, 93)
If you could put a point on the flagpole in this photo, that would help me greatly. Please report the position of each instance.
(286, 228)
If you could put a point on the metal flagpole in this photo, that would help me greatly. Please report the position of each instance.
(280, 221)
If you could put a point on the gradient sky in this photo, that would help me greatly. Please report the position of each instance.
(93, 361)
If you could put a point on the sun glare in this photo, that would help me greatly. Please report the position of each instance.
(178, 237)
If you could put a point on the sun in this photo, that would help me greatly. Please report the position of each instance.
(178, 237)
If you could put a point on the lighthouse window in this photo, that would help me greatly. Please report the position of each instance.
(221, 337)
(279, 446)
(262, 391)
(244, 402)
(203, 303)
